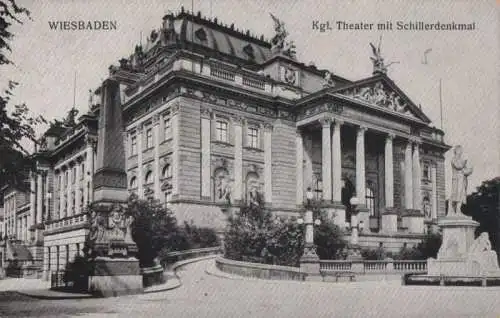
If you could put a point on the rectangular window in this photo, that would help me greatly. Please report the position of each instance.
(167, 128)
(221, 131)
(73, 175)
(83, 172)
(426, 174)
(133, 145)
(149, 138)
(253, 137)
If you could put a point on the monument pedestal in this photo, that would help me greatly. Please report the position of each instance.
(115, 277)
(458, 256)
(309, 263)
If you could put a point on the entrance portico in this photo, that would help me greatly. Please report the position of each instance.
(334, 150)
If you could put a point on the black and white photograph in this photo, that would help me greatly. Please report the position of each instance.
(236, 158)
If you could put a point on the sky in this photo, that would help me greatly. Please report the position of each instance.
(466, 62)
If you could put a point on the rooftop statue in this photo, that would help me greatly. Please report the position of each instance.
(279, 45)
(379, 65)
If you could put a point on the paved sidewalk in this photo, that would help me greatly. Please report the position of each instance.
(40, 289)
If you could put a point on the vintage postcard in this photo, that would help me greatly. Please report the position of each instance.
(235, 158)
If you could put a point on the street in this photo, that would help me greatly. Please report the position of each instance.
(203, 295)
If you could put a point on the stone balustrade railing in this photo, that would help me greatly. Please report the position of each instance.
(215, 70)
(73, 220)
(375, 267)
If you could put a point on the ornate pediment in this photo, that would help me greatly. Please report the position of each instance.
(383, 93)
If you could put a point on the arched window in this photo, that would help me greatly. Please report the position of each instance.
(149, 177)
(167, 171)
(370, 200)
(133, 183)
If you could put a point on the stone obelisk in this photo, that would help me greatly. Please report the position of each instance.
(115, 270)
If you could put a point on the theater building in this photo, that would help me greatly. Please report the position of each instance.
(214, 115)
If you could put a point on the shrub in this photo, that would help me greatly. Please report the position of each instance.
(254, 235)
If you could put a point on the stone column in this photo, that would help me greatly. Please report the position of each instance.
(32, 199)
(78, 192)
(408, 177)
(360, 166)
(434, 193)
(140, 177)
(299, 167)
(308, 168)
(389, 217)
(238, 160)
(268, 172)
(326, 160)
(39, 198)
(70, 190)
(417, 179)
(389, 172)
(337, 162)
(157, 170)
(205, 154)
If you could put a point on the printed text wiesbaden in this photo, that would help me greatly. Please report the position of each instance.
(77, 25)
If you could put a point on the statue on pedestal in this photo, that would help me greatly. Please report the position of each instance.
(460, 173)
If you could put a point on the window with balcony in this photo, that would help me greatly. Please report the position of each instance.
(167, 130)
(221, 131)
(253, 137)
(370, 200)
(133, 145)
(149, 138)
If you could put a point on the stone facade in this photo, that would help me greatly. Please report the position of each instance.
(208, 128)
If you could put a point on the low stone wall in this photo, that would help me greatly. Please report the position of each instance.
(256, 270)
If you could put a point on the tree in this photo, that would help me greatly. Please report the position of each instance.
(17, 126)
(154, 229)
(484, 207)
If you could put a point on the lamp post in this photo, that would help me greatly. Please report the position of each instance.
(353, 249)
(309, 262)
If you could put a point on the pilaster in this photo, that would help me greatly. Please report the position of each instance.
(175, 113)
(157, 174)
(300, 167)
(205, 153)
(434, 193)
(77, 188)
(268, 172)
(238, 159)
(32, 199)
(140, 177)
(39, 197)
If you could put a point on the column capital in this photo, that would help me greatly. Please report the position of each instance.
(139, 128)
(390, 137)
(156, 119)
(298, 132)
(237, 120)
(267, 126)
(361, 129)
(338, 122)
(175, 108)
(206, 112)
(326, 121)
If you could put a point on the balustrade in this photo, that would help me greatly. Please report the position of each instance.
(383, 266)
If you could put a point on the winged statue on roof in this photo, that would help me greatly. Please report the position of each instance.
(279, 43)
(377, 59)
